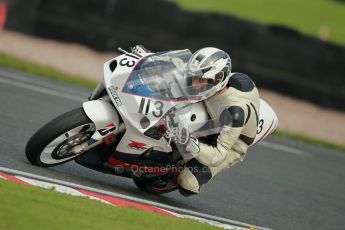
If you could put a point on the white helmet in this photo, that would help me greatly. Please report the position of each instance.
(212, 64)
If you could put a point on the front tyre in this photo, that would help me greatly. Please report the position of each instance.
(60, 140)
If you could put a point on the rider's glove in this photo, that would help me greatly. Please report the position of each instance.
(188, 141)
(139, 49)
(193, 146)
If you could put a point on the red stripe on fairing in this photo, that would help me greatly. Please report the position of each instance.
(14, 179)
(124, 203)
(3, 13)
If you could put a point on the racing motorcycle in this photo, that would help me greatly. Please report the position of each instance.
(126, 127)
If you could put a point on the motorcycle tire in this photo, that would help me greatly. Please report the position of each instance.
(59, 136)
(151, 185)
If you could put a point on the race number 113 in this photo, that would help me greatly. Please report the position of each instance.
(145, 104)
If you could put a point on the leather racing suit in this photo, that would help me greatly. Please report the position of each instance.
(236, 110)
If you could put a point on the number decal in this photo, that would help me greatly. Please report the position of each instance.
(126, 62)
(159, 107)
(142, 103)
(260, 126)
(145, 107)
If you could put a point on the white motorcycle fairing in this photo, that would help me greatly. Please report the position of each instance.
(142, 102)
(104, 116)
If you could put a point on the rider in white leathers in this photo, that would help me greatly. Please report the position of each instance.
(232, 102)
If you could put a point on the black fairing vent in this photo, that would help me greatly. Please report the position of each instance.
(154, 132)
(113, 65)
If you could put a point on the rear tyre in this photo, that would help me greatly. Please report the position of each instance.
(157, 185)
(57, 142)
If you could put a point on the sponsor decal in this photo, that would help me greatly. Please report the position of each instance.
(136, 145)
(113, 93)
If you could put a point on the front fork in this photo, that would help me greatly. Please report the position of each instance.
(106, 119)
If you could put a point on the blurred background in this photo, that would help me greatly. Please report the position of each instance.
(294, 50)
(293, 47)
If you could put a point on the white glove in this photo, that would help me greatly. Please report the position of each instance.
(189, 142)
(140, 49)
(193, 146)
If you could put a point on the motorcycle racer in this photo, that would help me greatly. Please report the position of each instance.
(232, 102)
(167, 120)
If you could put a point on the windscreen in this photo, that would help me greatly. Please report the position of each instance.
(162, 76)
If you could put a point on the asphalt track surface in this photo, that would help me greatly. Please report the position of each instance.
(282, 184)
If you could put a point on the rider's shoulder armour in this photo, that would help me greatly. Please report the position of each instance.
(241, 82)
(233, 116)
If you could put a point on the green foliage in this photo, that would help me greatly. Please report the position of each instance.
(25, 207)
(310, 140)
(310, 17)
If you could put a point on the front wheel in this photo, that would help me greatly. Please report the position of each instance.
(60, 140)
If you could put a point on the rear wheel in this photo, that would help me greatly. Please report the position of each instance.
(60, 140)
(157, 185)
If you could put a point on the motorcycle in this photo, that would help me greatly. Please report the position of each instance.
(126, 127)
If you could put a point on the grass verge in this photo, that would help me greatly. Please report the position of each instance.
(308, 139)
(25, 66)
(26, 207)
(39, 70)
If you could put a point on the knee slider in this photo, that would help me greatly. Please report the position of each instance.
(185, 192)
